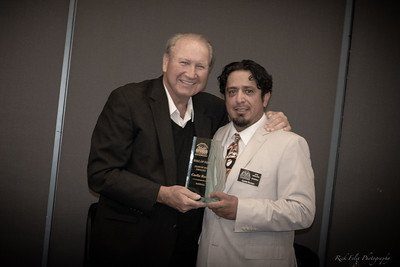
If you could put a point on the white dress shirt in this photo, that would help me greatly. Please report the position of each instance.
(245, 135)
(174, 112)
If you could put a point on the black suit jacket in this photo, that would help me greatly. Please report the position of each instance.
(132, 155)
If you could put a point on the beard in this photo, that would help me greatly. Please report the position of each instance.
(240, 122)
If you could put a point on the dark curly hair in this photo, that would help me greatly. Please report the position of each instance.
(260, 75)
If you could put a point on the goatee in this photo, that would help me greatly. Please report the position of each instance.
(240, 122)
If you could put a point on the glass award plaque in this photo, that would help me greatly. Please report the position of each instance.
(206, 171)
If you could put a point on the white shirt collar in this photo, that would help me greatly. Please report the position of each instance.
(246, 134)
(174, 112)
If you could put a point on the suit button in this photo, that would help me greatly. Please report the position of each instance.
(174, 226)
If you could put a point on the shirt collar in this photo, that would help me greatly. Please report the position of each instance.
(247, 133)
(174, 112)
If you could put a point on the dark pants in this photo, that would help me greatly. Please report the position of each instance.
(189, 228)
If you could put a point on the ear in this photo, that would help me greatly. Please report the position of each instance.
(266, 98)
(165, 63)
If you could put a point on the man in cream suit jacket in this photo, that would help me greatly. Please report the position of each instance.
(268, 193)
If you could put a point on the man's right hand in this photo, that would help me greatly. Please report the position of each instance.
(179, 198)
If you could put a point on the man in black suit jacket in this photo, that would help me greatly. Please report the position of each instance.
(138, 161)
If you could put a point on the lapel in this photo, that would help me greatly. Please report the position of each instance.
(159, 106)
(217, 160)
(255, 144)
(202, 122)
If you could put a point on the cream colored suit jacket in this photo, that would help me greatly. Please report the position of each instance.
(267, 213)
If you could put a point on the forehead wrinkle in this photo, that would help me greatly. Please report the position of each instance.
(193, 42)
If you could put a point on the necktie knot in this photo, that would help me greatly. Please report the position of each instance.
(237, 137)
(231, 153)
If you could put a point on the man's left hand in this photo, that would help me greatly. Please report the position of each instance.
(277, 121)
(226, 207)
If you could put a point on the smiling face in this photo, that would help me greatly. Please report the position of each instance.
(243, 99)
(186, 68)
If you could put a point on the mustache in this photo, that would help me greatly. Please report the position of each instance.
(240, 107)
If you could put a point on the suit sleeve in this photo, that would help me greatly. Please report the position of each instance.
(110, 152)
(294, 207)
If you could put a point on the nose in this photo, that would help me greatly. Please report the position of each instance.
(240, 96)
(191, 72)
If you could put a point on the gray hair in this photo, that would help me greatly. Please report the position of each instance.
(172, 41)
